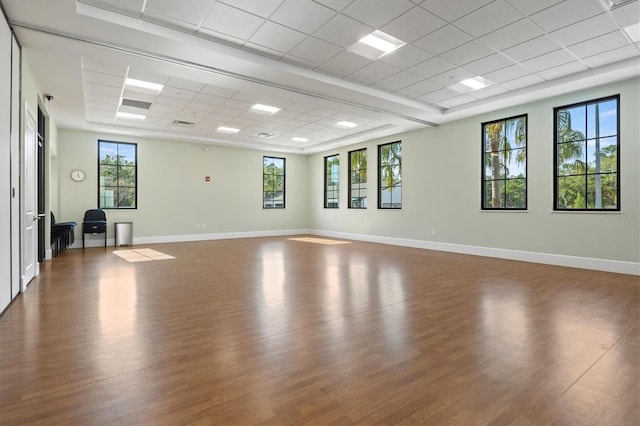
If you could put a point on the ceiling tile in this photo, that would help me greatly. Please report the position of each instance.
(526, 81)
(104, 79)
(127, 7)
(344, 63)
(100, 106)
(262, 8)
(489, 64)
(178, 93)
(373, 72)
(548, 60)
(169, 109)
(102, 89)
(567, 13)
(219, 37)
(529, 7)
(444, 39)
(405, 57)
(488, 18)
(231, 21)
(225, 92)
(459, 100)
(335, 4)
(562, 70)
(532, 48)
(440, 95)
(412, 25)
(431, 67)
(418, 89)
(600, 44)
(193, 14)
(105, 99)
(315, 50)
(584, 30)
(377, 12)
(508, 73)
(199, 106)
(628, 14)
(167, 100)
(180, 83)
(277, 37)
(488, 92)
(452, 10)
(515, 33)
(343, 31)
(397, 81)
(611, 56)
(466, 53)
(291, 13)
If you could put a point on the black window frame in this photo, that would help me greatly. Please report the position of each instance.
(117, 186)
(335, 178)
(586, 174)
(483, 161)
(284, 184)
(350, 191)
(381, 174)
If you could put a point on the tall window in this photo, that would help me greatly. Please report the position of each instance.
(358, 179)
(586, 155)
(273, 178)
(390, 175)
(331, 181)
(504, 159)
(118, 175)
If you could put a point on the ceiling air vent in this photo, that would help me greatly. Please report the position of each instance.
(136, 104)
(180, 123)
(265, 135)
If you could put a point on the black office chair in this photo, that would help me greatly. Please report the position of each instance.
(62, 234)
(94, 222)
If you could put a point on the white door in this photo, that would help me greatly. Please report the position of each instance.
(30, 224)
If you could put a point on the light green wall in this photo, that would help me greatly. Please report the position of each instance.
(441, 189)
(173, 197)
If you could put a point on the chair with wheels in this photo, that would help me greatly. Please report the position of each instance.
(94, 222)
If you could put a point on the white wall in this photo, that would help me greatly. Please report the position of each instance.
(174, 201)
(441, 190)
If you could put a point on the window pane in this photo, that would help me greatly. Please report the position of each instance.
(516, 193)
(571, 124)
(273, 182)
(108, 175)
(126, 197)
(607, 159)
(571, 192)
(571, 158)
(108, 197)
(126, 176)
(126, 154)
(108, 152)
(117, 180)
(516, 161)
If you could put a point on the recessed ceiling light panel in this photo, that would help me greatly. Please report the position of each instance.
(376, 45)
(346, 124)
(129, 116)
(260, 108)
(143, 84)
(296, 139)
(470, 84)
(228, 130)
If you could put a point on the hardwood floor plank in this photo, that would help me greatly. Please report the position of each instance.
(276, 331)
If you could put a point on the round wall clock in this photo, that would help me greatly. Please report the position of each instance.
(78, 175)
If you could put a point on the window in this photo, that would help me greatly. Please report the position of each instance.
(586, 155)
(331, 181)
(390, 176)
(504, 164)
(358, 179)
(273, 178)
(118, 175)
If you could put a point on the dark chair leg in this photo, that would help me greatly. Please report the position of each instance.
(82, 240)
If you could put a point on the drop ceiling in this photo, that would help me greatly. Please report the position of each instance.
(218, 58)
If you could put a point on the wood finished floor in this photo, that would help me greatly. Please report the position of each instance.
(276, 331)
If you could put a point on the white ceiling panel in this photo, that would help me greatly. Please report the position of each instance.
(628, 14)
(413, 24)
(453, 10)
(398, 81)
(419, 89)
(521, 82)
(515, 33)
(467, 53)
(567, 13)
(508, 73)
(488, 18)
(440, 95)
(453, 76)
(584, 30)
(562, 70)
(406, 57)
(444, 39)
(548, 60)
(532, 48)
(336, 5)
(276, 37)
(611, 56)
(167, 100)
(373, 72)
(102, 89)
(604, 43)
(431, 67)
(487, 92)
(315, 15)
(315, 50)
(103, 79)
(529, 7)
(262, 8)
(193, 14)
(343, 31)
(343, 64)
(377, 12)
(231, 21)
(488, 64)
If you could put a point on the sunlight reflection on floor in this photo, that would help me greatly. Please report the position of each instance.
(141, 255)
(319, 240)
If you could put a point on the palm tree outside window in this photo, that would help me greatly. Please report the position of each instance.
(504, 164)
(390, 175)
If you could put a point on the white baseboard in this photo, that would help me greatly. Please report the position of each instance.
(630, 268)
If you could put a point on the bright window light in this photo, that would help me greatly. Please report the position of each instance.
(474, 83)
(265, 108)
(129, 116)
(346, 124)
(223, 129)
(144, 84)
(300, 139)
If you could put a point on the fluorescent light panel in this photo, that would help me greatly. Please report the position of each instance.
(223, 129)
(144, 84)
(346, 124)
(129, 116)
(376, 45)
(265, 108)
(379, 43)
(296, 139)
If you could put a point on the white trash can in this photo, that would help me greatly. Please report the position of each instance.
(124, 233)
